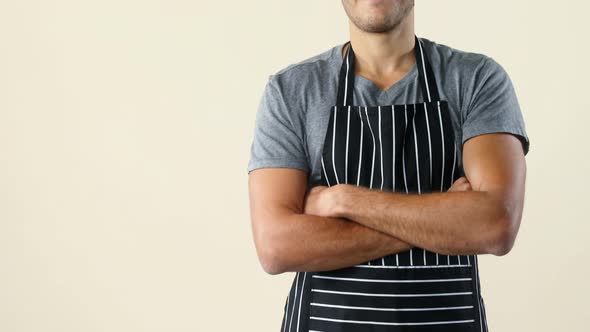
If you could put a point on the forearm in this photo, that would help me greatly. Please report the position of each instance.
(305, 242)
(451, 223)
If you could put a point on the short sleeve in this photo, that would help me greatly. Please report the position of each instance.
(493, 105)
(278, 135)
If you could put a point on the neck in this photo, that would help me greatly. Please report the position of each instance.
(383, 54)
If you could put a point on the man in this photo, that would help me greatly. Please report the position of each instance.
(405, 253)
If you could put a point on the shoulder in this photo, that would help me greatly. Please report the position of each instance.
(461, 64)
(464, 73)
(307, 74)
(454, 59)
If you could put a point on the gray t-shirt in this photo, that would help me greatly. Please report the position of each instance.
(294, 110)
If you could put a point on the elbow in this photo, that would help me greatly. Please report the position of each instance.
(501, 246)
(270, 248)
(271, 260)
(504, 236)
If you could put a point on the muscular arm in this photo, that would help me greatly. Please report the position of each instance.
(483, 220)
(288, 240)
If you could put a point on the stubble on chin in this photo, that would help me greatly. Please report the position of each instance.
(380, 23)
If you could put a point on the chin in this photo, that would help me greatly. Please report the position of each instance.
(377, 15)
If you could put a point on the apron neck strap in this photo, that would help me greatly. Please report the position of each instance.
(425, 76)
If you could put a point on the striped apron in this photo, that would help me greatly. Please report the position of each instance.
(407, 148)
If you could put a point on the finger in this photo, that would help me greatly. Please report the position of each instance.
(461, 180)
(465, 187)
(460, 187)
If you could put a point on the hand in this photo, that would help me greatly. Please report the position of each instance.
(462, 184)
(319, 201)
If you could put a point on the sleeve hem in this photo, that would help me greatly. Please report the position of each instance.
(522, 136)
(277, 163)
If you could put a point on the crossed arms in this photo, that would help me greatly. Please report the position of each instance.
(343, 225)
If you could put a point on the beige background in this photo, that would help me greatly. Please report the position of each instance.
(125, 129)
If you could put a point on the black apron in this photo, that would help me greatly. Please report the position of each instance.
(407, 148)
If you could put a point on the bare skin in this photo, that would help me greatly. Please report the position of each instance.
(289, 239)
